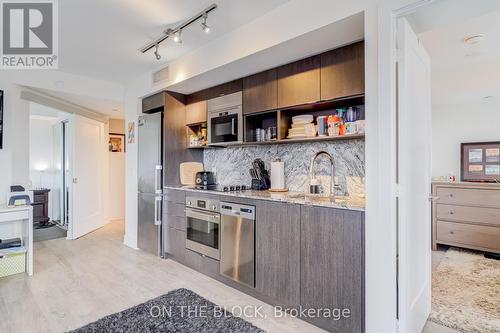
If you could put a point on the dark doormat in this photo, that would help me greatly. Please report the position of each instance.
(180, 310)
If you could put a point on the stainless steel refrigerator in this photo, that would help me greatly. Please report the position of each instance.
(150, 183)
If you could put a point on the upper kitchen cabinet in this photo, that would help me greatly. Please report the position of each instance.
(260, 92)
(217, 91)
(196, 113)
(299, 82)
(343, 72)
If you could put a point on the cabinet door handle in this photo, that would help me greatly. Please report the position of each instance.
(452, 212)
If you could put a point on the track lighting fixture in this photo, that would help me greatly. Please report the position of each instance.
(177, 37)
(204, 25)
(175, 33)
(157, 55)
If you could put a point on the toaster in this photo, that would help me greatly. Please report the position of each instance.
(205, 178)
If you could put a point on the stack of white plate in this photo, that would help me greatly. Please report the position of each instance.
(298, 126)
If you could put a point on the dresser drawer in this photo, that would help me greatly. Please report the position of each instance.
(479, 215)
(468, 197)
(482, 237)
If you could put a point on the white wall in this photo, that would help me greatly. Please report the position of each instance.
(14, 158)
(116, 203)
(41, 151)
(455, 124)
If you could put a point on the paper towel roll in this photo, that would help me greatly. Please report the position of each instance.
(278, 175)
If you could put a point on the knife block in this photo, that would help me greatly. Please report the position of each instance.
(259, 185)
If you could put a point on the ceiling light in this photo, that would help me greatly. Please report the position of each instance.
(157, 55)
(204, 25)
(177, 37)
(471, 40)
(175, 33)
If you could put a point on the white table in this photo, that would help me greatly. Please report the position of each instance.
(18, 222)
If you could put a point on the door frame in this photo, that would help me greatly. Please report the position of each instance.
(388, 14)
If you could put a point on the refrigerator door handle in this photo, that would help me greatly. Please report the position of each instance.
(158, 188)
(158, 202)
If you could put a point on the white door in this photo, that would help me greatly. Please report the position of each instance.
(414, 220)
(88, 149)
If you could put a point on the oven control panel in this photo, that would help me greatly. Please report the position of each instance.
(203, 203)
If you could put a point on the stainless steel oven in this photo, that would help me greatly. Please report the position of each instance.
(203, 226)
(225, 119)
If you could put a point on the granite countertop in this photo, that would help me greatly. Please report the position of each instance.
(350, 203)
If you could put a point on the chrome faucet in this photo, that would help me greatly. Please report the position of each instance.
(312, 174)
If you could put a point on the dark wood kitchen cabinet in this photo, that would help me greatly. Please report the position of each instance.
(175, 244)
(175, 142)
(343, 72)
(299, 82)
(196, 113)
(332, 265)
(174, 234)
(213, 92)
(260, 92)
(277, 252)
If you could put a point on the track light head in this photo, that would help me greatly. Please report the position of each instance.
(157, 55)
(177, 37)
(204, 25)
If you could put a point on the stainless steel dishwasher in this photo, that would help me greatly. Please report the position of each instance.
(237, 257)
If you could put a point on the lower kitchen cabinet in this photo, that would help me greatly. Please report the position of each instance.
(332, 266)
(175, 243)
(201, 263)
(277, 252)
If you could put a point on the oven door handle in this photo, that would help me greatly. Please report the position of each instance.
(214, 218)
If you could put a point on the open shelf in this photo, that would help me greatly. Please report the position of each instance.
(298, 140)
(262, 120)
(194, 129)
(282, 119)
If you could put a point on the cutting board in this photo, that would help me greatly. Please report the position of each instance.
(188, 172)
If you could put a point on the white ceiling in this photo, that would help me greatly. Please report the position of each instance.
(461, 73)
(334, 35)
(101, 38)
(112, 109)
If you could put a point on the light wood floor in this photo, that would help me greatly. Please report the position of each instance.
(77, 282)
(80, 281)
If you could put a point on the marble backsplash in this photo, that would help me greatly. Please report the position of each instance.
(231, 164)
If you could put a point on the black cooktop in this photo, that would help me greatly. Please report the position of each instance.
(223, 188)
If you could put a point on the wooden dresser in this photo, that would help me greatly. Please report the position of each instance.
(466, 215)
(41, 206)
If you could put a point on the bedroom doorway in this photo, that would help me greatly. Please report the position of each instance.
(457, 230)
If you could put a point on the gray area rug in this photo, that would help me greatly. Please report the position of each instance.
(48, 233)
(172, 312)
(466, 292)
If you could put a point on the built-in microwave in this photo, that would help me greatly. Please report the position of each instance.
(225, 119)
